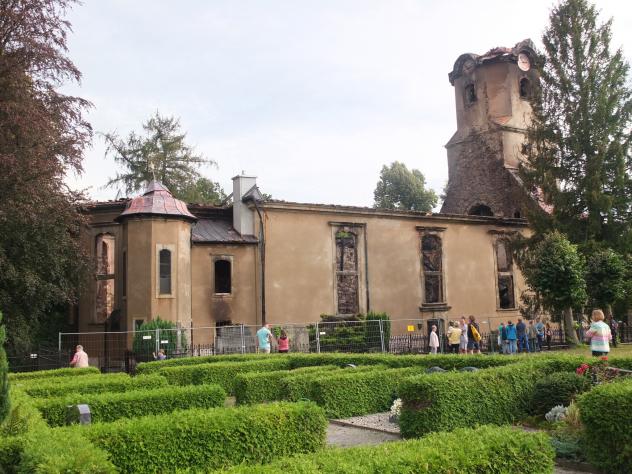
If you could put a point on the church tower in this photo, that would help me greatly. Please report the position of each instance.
(492, 94)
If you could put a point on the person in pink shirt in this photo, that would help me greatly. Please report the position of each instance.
(80, 359)
(284, 342)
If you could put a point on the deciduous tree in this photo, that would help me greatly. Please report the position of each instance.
(42, 136)
(401, 188)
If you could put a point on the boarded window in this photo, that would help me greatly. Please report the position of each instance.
(165, 272)
(105, 247)
(223, 282)
(346, 272)
(432, 258)
(504, 266)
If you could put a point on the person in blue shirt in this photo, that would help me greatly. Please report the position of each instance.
(539, 327)
(510, 329)
(523, 340)
(264, 339)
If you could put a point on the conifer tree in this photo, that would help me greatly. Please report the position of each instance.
(578, 145)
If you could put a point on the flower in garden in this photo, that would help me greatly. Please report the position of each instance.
(581, 370)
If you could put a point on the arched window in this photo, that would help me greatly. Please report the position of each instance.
(165, 272)
(105, 246)
(525, 88)
(223, 277)
(480, 210)
(517, 214)
(470, 94)
(432, 263)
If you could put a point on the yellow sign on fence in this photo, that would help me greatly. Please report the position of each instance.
(411, 328)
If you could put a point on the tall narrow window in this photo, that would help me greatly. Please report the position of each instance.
(504, 267)
(346, 272)
(223, 283)
(525, 88)
(165, 272)
(432, 262)
(470, 94)
(104, 253)
(124, 282)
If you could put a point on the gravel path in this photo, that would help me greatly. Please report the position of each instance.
(376, 421)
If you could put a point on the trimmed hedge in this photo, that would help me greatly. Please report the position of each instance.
(558, 388)
(208, 439)
(46, 374)
(106, 407)
(360, 393)
(256, 387)
(606, 413)
(222, 373)
(90, 385)
(300, 387)
(466, 451)
(27, 445)
(156, 365)
(445, 401)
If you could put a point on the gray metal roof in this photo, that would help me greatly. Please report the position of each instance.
(220, 231)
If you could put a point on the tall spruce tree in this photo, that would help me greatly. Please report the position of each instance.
(578, 145)
(162, 154)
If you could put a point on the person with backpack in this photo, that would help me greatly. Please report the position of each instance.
(539, 328)
(473, 336)
(503, 343)
(510, 329)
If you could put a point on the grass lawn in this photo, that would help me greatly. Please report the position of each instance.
(621, 350)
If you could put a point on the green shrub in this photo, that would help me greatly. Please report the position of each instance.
(94, 384)
(299, 387)
(155, 366)
(4, 375)
(106, 407)
(222, 373)
(256, 387)
(558, 388)
(48, 374)
(45, 453)
(10, 453)
(169, 333)
(445, 401)
(359, 393)
(208, 439)
(464, 451)
(23, 416)
(605, 412)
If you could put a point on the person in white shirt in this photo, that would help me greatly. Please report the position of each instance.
(434, 340)
(80, 360)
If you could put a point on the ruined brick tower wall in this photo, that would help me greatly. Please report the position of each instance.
(492, 94)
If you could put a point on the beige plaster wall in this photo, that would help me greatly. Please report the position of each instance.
(241, 305)
(300, 266)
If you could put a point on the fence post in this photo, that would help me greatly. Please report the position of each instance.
(59, 343)
(381, 335)
(243, 342)
(157, 344)
(317, 339)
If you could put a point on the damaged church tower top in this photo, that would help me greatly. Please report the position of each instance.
(492, 93)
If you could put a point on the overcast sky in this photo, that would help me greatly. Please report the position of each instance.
(312, 97)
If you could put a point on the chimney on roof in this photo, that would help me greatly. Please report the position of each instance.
(243, 216)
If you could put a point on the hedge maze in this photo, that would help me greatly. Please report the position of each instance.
(173, 415)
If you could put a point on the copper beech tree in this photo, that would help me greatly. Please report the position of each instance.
(42, 136)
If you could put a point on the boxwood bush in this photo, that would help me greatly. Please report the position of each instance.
(359, 393)
(93, 384)
(466, 451)
(208, 439)
(259, 387)
(300, 387)
(47, 374)
(445, 401)
(222, 373)
(558, 388)
(112, 406)
(156, 365)
(605, 412)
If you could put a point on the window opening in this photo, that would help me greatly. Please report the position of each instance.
(223, 276)
(165, 272)
(525, 88)
(346, 272)
(470, 94)
(432, 256)
(105, 254)
(504, 268)
(481, 210)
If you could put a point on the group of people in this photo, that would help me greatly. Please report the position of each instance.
(464, 337)
(524, 338)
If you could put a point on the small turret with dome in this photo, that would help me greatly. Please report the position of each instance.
(157, 201)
